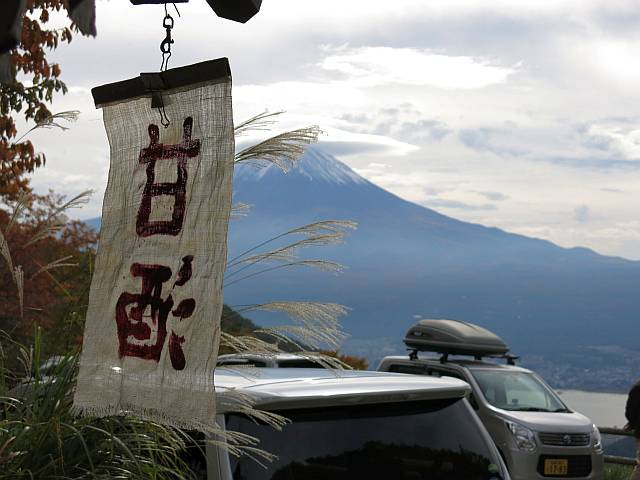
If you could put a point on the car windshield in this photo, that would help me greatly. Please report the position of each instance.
(521, 391)
(437, 440)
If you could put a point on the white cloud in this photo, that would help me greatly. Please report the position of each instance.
(334, 138)
(363, 10)
(616, 59)
(371, 66)
(620, 138)
(284, 95)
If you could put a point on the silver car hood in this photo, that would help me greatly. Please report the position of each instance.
(551, 422)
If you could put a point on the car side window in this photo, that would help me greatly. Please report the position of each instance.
(447, 373)
(421, 369)
(244, 362)
(442, 373)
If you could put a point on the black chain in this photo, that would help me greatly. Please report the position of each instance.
(165, 48)
(165, 45)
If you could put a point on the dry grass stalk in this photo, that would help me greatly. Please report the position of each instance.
(327, 313)
(282, 150)
(18, 278)
(269, 349)
(287, 252)
(16, 271)
(19, 208)
(238, 444)
(53, 121)
(59, 263)
(246, 344)
(302, 339)
(317, 323)
(239, 210)
(234, 401)
(259, 122)
(56, 220)
(307, 336)
(5, 252)
(326, 227)
(322, 265)
(53, 223)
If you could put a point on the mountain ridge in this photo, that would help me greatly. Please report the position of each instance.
(247, 174)
(407, 261)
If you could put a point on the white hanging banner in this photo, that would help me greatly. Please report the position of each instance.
(153, 323)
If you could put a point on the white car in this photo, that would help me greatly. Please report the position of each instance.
(538, 435)
(356, 425)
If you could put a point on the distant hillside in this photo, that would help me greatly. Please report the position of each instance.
(235, 323)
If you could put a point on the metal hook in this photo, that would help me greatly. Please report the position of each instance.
(165, 45)
(169, 24)
(165, 48)
(164, 119)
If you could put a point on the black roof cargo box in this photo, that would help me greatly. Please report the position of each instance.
(454, 337)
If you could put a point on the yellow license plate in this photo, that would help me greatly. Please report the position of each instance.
(556, 467)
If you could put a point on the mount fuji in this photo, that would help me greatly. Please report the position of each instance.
(407, 262)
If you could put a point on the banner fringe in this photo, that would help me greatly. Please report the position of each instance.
(147, 414)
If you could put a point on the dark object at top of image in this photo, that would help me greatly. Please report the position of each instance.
(237, 10)
(11, 12)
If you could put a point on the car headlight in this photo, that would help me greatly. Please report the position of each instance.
(524, 437)
(597, 438)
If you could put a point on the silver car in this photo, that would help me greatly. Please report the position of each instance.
(538, 436)
(355, 425)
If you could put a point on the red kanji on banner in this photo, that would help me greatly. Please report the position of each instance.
(156, 151)
(142, 334)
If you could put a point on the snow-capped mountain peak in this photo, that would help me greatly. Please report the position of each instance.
(315, 165)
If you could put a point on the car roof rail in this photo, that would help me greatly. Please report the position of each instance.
(413, 355)
(511, 359)
(444, 358)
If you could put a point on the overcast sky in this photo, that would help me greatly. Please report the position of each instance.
(518, 114)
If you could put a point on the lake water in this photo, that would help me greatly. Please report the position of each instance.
(605, 409)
